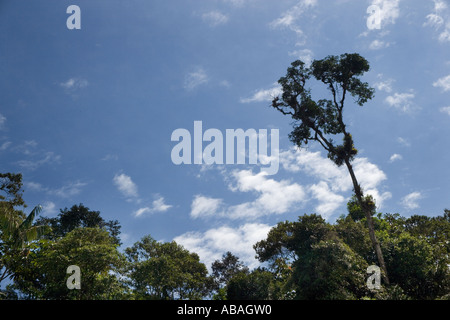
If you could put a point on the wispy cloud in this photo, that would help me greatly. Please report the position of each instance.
(305, 55)
(445, 110)
(378, 44)
(443, 83)
(158, 205)
(68, 190)
(194, 79)
(110, 157)
(389, 11)
(48, 158)
(74, 84)
(237, 3)
(264, 94)
(2, 121)
(289, 19)
(5, 145)
(205, 206)
(440, 20)
(126, 186)
(404, 142)
(129, 190)
(49, 208)
(395, 157)
(410, 201)
(402, 101)
(214, 18)
(384, 85)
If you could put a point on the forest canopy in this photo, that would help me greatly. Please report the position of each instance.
(308, 259)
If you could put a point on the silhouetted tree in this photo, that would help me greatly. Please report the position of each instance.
(321, 120)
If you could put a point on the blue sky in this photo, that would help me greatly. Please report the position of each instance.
(87, 115)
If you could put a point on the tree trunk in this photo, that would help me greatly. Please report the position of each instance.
(373, 238)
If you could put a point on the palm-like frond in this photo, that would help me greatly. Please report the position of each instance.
(21, 231)
(28, 222)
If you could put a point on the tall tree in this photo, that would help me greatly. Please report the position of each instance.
(322, 120)
(80, 216)
(166, 271)
(44, 274)
(223, 270)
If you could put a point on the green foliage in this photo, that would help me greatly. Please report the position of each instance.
(166, 271)
(79, 216)
(255, 285)
(17, 229)
(223, 270)
(306, 259)
(322, 119)
(330, 261)
(417, 253)
(329, 270)
(276, 249)
(43, 274)
(11, 189)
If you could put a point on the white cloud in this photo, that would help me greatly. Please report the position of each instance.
(195, 79)
(126, 186)
(49, 208)
(304, 55)
(445, 110)
(204, 206)
(214, 18)
(440, 20)
(403, 142)
(434, 20)
(443, 83)
(378, 44)
(395, 157)
(410, 201)
(212, 244)
(73, 84)
(5, 145)
(289, 18)
(110, 157)
(389, 11)
(314, 165)
(384, 85)
(48, 158)
(328, 200)
(66, 191)
(333, 179)
(2, 121)
(264, 94)
(34, 186)
(274, 197)
(402, 102)
(158, 205)
(236, 3)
